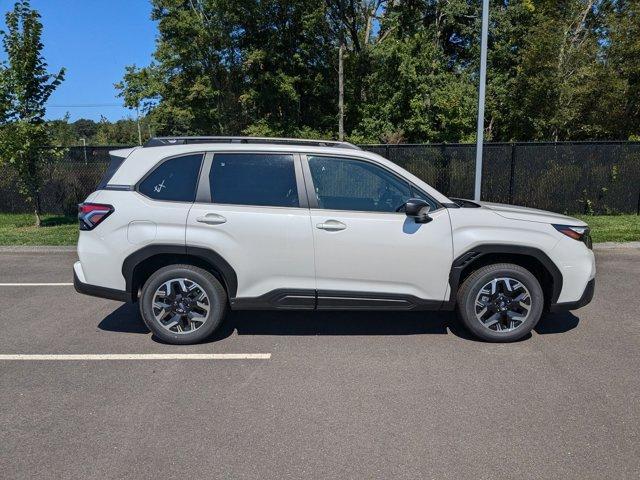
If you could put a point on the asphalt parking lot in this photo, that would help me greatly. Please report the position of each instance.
(342, 395)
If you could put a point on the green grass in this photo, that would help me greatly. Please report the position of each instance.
(18, 229)
(613, 228)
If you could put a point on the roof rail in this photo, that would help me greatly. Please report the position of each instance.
(164, 141)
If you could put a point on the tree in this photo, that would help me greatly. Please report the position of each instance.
(25, 87)
(389, 70)
(121, 132)
(62, 133)
(248, 66)
(419, 89)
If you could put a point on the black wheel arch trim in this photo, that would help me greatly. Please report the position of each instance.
(98, 291)
(478, 251)
(206, 255)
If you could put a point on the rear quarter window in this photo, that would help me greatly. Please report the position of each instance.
(114, 165)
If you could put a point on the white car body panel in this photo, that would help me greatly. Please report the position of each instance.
(270, 248)
(383, 253)
(477, 226)
(102, 251)
(514, 212)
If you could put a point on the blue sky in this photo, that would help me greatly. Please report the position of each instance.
(94, 40)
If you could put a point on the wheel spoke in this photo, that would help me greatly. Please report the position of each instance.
(492, 320)
(173, 321)
(515, 316)
(523, 296)
(161, 303)
(525, 306)
(202, 306)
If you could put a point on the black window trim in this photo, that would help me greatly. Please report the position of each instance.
(136, 187)
(203, 194)
(313, 200)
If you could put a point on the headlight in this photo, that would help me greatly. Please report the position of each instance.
(582, 234)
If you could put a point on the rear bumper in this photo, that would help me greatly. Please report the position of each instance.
(97, 291)
(586, 298)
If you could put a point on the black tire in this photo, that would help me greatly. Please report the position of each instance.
(470, 290)
(215, 292)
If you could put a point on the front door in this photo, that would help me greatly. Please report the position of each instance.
(369, 255)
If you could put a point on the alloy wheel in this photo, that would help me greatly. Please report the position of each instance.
(503, 304)
(181, 305)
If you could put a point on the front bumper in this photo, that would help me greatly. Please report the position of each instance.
(585, 299)
(97, 291)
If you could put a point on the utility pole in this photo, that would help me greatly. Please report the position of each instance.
(341, 90)
(138, 120)
(481, 97)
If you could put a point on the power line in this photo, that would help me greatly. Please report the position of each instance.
(88, 105)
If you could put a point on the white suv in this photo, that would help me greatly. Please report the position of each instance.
(191, 226)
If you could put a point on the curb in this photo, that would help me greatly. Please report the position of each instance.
(38, 249)
(615, 245)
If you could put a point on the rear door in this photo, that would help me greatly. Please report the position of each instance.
(252, 210)
(368, 254)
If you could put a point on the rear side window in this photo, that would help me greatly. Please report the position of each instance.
(174, 180)
(254, 179)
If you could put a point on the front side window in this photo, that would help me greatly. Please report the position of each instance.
(346, 184)
(254, 179)
(174, 180)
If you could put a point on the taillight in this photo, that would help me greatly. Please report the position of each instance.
(582, 234)
(90, 215)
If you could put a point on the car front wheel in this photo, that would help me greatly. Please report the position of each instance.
(182, 304)
(501, 302)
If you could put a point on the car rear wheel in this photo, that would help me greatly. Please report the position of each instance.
(182, 304)
(501, 302)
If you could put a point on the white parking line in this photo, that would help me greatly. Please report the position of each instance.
(142, 356)
(36, 284)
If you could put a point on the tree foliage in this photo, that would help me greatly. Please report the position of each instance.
(558, 70)
(25, 87)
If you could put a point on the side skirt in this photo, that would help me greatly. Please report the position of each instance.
(284, 299)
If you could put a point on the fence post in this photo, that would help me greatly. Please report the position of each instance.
(638, 207)
(512, 172)
(443, 181)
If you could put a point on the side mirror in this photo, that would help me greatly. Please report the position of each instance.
(418, 209)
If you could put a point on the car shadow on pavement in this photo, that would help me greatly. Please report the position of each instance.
(126, 319)
(343, 323)
(556, 323)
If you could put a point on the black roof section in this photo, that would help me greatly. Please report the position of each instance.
(165, 141)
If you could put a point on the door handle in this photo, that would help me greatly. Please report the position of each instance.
(331, 226)
(212, 219)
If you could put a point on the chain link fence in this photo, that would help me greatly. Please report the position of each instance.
(68, 181)
(566, 177)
